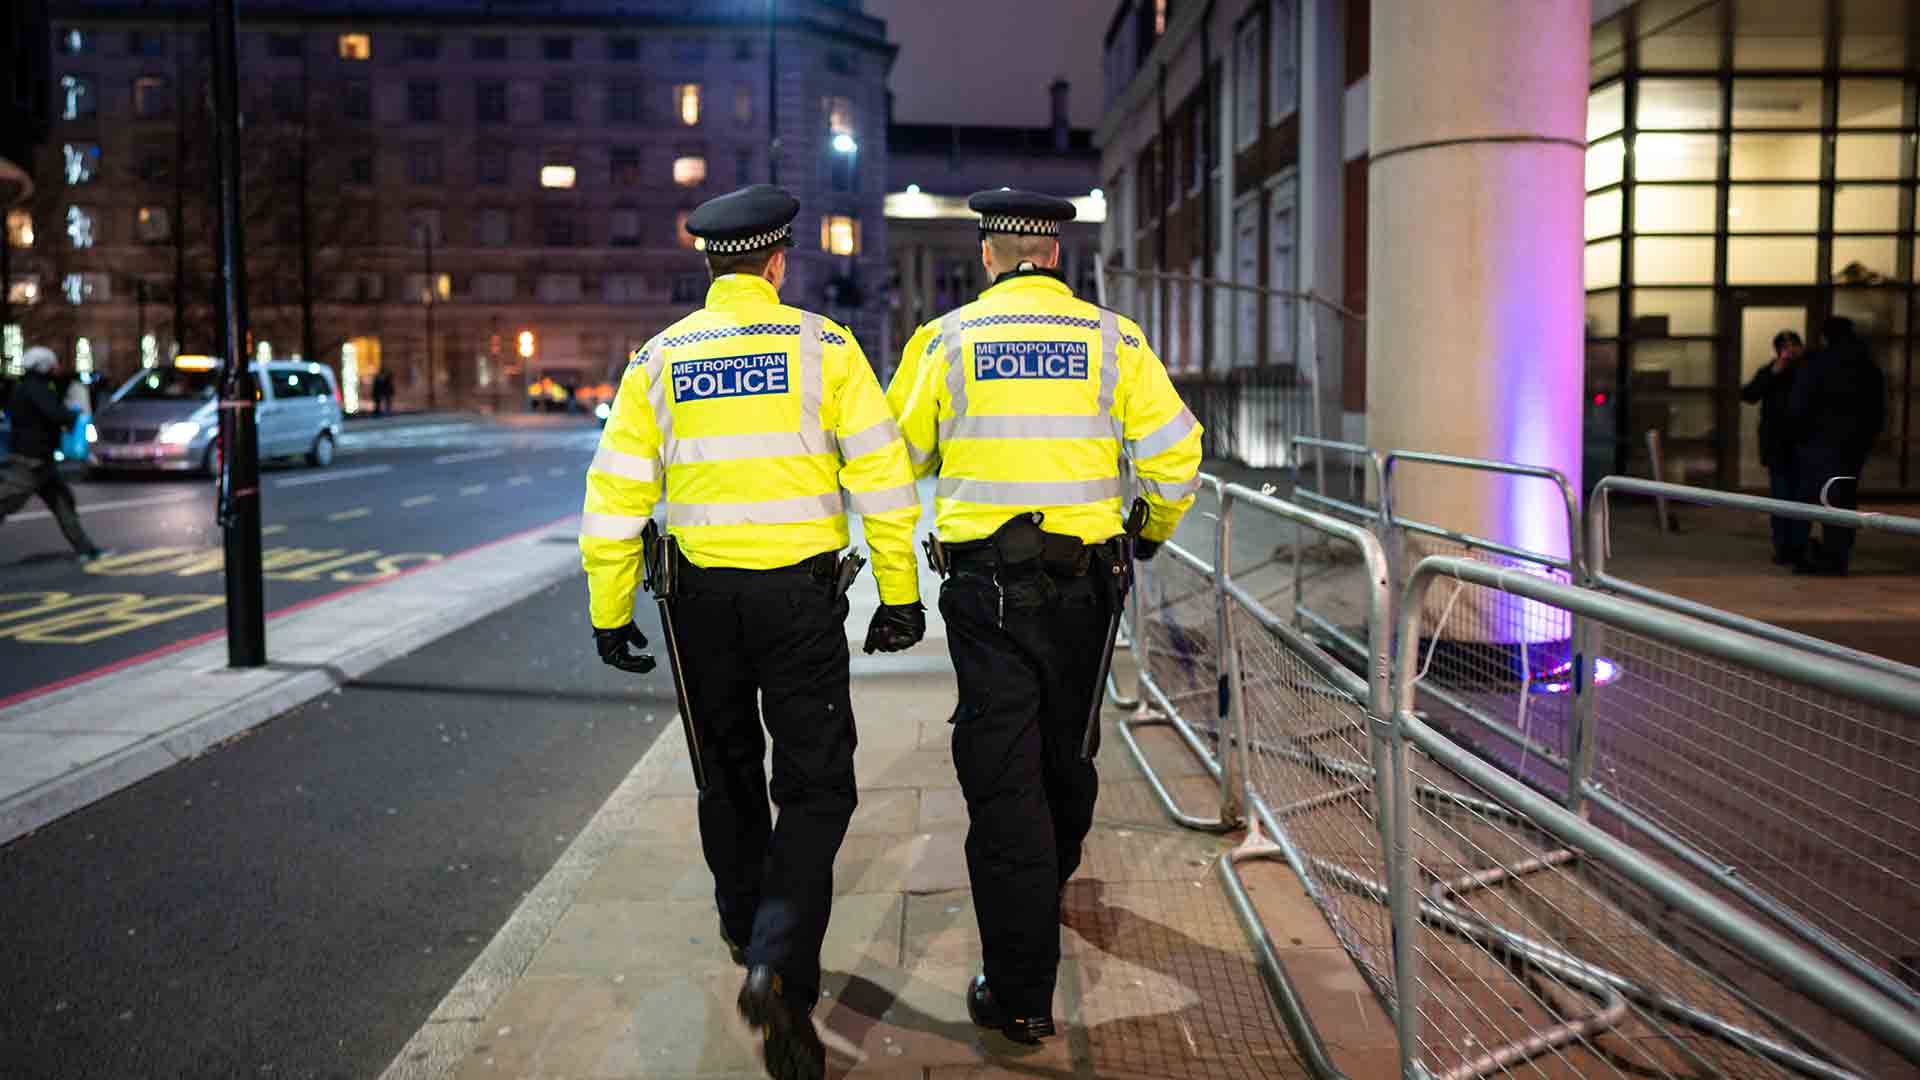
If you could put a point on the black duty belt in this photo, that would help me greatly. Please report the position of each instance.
(823, 567)
(1021, 543)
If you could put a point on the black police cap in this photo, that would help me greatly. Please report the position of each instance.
(746, 220)
(1022, 213)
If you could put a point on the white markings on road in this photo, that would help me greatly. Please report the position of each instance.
(349, 515)
(474, 489)
(556, 471)
(518, 480)
(332, 474)
(269, 530)
(119, 504)
(472, 455)
(418, 500)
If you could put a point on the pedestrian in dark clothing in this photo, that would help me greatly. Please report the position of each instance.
(39, 416)
(1835, 412)
(383, 394)
(1771, 388)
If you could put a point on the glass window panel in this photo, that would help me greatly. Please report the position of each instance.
(1675, 363)
(1606, 163)
(1775, 157)
(1779, 33)
(1873, 34)
(1673, 260)
(1868, 155)
(1876, 313)
(1676, 157)
(1775, 103)
(1770, 260)
(1603, 264)
(1693, 42)
(1672, 312)
(1603, 214)
(1665, 208)
(1603, 314)
(1606, 110)
(1678, 103)
(1767, 208)
(1871, 102)
(1864, 259)
(1866, 208)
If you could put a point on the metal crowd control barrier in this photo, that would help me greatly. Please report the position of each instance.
(1179, 627)
(1650, 950)
(1365, 474)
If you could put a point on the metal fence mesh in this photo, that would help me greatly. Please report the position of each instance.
(1181, 626)
(1810, 797)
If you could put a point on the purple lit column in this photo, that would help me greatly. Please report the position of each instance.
(1477, 125)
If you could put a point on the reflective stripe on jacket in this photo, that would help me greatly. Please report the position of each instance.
(766, 425)
(1022, 400)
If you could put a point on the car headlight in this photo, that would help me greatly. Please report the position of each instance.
(179, 433)
(602, 410)
(93, 434)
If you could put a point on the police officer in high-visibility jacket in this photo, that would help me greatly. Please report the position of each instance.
(1023, 402)
(764, 422)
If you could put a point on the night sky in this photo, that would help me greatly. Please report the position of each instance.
(989, 61)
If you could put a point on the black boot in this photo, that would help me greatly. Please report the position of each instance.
(737, 952)
(792, 1049)
(988, 1013)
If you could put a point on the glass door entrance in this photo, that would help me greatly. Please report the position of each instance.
(1759, 320)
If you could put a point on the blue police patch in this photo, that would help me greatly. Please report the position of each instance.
(1030, 360)
(730, 376)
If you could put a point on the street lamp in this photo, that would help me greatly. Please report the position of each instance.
(843, 143)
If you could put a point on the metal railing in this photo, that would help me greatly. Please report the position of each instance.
(1510, 919)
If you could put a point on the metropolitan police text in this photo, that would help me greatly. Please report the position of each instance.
(730, 376)
(1030, 360)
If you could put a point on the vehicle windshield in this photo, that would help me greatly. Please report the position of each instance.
(171, 384)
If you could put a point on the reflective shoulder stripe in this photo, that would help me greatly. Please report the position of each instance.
(862, 443)
(656, 371)
(1028, 427)
(1165, 437)
(956, 370)
(763, 512)
(1029, 492)
(1109, 365)
(879, 502)
(917, 455)
(1170, 492)
(631, 466)
(770, 444)
(612, 526)
(812, 363)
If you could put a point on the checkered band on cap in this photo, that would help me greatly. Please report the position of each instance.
(1023, 226)
(749, 243)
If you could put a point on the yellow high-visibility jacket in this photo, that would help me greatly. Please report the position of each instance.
(1021, 401)
(758, 416)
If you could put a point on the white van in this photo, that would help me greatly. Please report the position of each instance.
(164, 417)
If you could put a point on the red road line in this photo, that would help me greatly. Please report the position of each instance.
(211, 635)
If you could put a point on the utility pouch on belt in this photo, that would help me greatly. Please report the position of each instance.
(1019, 540)
(659, 554)
(1063, 556)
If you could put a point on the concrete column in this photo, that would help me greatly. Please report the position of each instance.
(1474, 262)
(1321, 225)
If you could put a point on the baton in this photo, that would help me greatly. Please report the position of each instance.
(1123, 572)
(661, 574)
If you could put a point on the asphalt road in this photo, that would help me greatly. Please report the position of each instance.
(401, 494)
(295, 902)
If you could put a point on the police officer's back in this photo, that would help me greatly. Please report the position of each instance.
(757, 417)
(1022, 401)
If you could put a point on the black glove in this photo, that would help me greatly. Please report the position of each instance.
(1143, 550)
(896, 627)
(613, 644)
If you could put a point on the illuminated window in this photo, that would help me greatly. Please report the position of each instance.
(23, 290)
(417, 288)
(151, 98)
(356, 47)
(152, 225)
(19, 229)
(556, 175)
(75, 42)
(86, 288)
(83, 357)
(81, 162)
(839, 112)
(1159, 17)
(840, 234)
(686, 101)
(77, 99)
(689, 171)
(80, 226)
(149, 351)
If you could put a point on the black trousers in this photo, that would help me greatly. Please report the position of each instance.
(1789, 534)
(21, 478)
(1026, 649)
(1817, 465)
(770, 647)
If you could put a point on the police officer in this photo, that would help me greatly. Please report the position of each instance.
(1023, 402)
(764, 422)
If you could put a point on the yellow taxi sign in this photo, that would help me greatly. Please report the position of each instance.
(195, 362)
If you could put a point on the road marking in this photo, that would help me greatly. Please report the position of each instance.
(332, 474)
(556, 471)
(418, 500)
(472, 455)
(349, 515)
(518, 480)
(474, 489)
(120, 504)
(269, 530)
